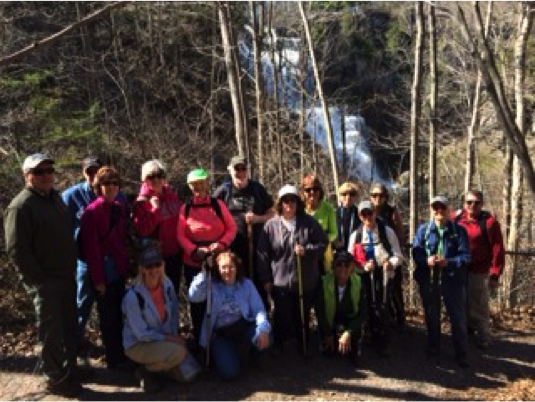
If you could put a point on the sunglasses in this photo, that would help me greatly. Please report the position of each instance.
(312, 189)
(473, 202)
(110, 183)
(153, 265)
(240, 169)
(377, 195)
(350, 194)
(91, 172)
(42, 171)
(289, 200)
(366, 213)
(156, 176)
(438, 207)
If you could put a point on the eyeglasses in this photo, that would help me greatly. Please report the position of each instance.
(289, 200)
(156, 176)
(110, 183)
(438, 207)
(350, 194)
(42, 171)
(366, 213)
(473, 202)
(240, 168)
(312, 189)
(153, 265)
(377, 195)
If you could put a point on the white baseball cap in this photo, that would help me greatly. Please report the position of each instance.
(32, 161)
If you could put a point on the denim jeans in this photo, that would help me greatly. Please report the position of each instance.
(226, 352)
(85, 298)
(454, 297)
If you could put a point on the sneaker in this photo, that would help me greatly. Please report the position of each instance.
(67, 388)
(461, 361)
(148, 381)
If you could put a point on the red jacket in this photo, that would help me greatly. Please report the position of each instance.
(484, 260)
(98, 242)
(163, 221)
(203, 225)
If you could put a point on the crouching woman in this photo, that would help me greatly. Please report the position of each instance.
(150, 334)
(238, 316)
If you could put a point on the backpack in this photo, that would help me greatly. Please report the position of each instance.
(482, 221)
(383, 238)
(214, 204)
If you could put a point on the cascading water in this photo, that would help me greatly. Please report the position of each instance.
(360, 164)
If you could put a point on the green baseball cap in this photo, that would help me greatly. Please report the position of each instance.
(197, 174)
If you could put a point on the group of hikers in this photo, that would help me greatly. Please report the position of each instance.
(244, 257)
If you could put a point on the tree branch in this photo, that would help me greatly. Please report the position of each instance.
(6, 61)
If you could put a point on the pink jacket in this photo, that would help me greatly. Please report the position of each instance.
(97, 242)
(203, 225)
(162, 221)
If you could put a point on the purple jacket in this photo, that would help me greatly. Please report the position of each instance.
(98, 241)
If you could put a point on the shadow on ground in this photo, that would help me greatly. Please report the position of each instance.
(407, 374)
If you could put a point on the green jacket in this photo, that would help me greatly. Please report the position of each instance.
(351, 305)
(326, 217)
(39, 241)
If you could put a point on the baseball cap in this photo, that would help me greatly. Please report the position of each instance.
(197, 174)
(342, 256)
(150, 255)
(288, 189)
(366, 205)
(237, 160)
(151, 167)
(91, 161)
(439, 199)
(32, 161)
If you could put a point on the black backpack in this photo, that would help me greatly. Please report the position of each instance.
(214, 204)
(383, 238)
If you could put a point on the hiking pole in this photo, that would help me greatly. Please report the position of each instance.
(208, 272)
(251, 251)
(437, 302)
(301, 304)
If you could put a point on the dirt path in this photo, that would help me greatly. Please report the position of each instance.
(505, 372)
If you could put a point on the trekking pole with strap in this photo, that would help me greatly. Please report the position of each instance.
(437, 305)
(208, 318)
(251, 245)
(301, 303)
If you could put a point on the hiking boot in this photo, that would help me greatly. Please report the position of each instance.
(82, 374)
(461, 361)
(148, 381)
(67, 387)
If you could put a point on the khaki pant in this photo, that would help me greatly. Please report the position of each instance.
(157, 356)
(478, 311)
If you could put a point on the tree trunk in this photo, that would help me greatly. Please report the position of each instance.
(232, 77)
(433, 78)
(302, 96)
(257, 44)
(324, 108)
(474, 123)
(415, 115)
(277, 136)
(510, 279)
(495, 89)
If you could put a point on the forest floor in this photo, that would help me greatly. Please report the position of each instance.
(505, 372)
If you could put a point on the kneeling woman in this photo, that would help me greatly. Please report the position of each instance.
(150, 333)
(237, 316)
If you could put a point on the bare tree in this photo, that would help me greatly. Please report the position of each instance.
(324, 108)
(433, 78)
(415, 115)
(474, 122)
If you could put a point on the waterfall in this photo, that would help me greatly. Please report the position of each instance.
(360, 163)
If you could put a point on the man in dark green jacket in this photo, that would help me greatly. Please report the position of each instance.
(39, 241)
(341, 308)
